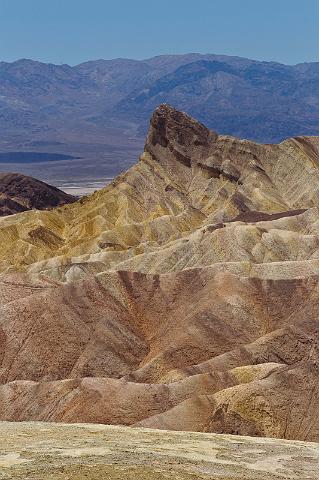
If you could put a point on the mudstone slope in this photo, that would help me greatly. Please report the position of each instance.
(183, 296)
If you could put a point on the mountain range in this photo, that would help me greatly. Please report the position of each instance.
(99, 110)
(182, 296)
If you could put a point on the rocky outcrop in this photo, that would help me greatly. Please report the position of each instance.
(19, 193)
(183, 296)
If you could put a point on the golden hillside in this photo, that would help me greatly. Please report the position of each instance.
(188, 183)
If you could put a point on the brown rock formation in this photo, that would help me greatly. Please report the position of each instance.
(19, 193)
(184, 295)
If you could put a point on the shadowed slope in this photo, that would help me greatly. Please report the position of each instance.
(19, 193)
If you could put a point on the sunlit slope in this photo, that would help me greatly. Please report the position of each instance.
(187, 181)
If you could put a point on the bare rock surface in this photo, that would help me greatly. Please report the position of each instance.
(68, 452)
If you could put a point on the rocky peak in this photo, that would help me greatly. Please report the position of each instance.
(183, 138)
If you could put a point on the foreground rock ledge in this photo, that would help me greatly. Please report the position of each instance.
(84, 451)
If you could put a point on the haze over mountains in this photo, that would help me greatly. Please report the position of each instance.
(99, 110)
(183, 296)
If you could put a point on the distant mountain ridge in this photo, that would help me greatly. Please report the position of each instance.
(262, 101)
(98, 111)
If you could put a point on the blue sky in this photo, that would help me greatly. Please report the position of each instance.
(73, 31)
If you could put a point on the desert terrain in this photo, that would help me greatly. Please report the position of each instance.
(182, 296)
(41, 451)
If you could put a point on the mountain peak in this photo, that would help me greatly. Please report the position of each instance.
(182, 137)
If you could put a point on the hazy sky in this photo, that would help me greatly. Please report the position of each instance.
(72, 31)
